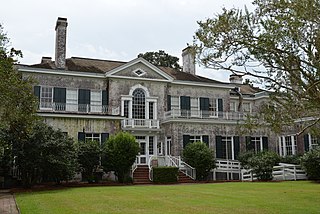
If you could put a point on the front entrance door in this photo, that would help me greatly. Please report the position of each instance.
(142, 157)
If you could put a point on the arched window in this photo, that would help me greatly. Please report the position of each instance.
(139, 104)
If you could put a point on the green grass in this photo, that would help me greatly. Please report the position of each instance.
(237, 197)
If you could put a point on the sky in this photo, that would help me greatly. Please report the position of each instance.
(110, 29)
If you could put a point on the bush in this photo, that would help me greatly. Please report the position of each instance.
(291, 159)
(261, 163)
(89, 153)
(120, 153)
(199, 156)
(310, 161)
(165, 174)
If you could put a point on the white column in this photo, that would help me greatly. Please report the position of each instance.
(232, 148)
(292, 145)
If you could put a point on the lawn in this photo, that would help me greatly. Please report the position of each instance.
(233, 197)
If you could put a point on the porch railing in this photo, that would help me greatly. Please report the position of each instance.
(183, 166)
(227, 166)
(248, 175)
(141, 123)
(288, 172)
(70, 107)
(199, 114)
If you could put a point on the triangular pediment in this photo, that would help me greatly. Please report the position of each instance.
(139, 68)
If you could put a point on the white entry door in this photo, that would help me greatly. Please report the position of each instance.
(142, 158)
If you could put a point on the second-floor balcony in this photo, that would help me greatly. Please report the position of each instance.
(140, 123)
(72, 108)
(199, 114)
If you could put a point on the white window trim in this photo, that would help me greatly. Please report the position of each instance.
(52, 91)
(139, 69)
(282, 145)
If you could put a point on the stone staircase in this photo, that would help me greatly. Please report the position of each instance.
(141, 176)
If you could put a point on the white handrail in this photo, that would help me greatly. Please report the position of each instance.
(287, 171)
(151, 158)
(133, 168)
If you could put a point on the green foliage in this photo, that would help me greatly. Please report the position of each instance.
(119, 154)
(45, 154)
(17, 104)
(165, 174)
(260, 163)
(277, 44)
(161, 58)
(199, 156)
(291, 159)
(311, 163)
(89, 153)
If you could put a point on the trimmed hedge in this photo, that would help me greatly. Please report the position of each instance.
(165, 174)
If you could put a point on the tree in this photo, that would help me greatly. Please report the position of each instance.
(161, 58)
(120, 153)
(199, 156)
(45, 154)
(89, 154)
(279, 44)
(17, 104)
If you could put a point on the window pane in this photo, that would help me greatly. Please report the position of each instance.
(46, 97)
(138, 104)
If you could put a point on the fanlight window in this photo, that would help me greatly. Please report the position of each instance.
(138, 104)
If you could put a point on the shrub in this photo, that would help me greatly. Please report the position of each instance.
(89, 159)
(199, 156)
(165, 174)
(120, 153)
(311, 163)
(292, 159)
(261, 163)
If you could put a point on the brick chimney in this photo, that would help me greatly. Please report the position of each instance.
(61, 37)
(188, 60)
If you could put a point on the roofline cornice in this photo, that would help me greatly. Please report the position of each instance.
(202, 84)
(61, 72)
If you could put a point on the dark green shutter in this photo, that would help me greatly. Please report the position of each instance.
(84, 100)
(219, 147)
(104, 138)
(36, 92)
(186, 140)
(59, 98)
(205, 139)
(236, 146)
(81, 136)
(185, 103)
(105, 98)
(306, 142)
(168, 102)
(204, 106)
(249, 144)
(265, 143)
(220, 107)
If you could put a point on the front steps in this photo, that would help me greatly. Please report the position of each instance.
(141, 176)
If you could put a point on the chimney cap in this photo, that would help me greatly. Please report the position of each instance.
(46, 59)
(234, 78)
(61, 21)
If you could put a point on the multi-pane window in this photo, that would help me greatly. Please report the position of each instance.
(246, 106)
(92, 137)
(195, 138)
(138, 104)
(288, 145)
(233, 106)
(96, 101)
(160, 148)
(174, 102)
(46, 97)
(72, 99)
(257, 144)
(213, 107)
(314, 142)
(227, 147)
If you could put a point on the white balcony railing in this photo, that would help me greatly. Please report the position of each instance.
(69, 107)
(199, 114)
(141, 123)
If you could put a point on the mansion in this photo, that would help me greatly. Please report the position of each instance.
(164, 108)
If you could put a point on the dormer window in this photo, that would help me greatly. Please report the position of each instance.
(139, 72)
